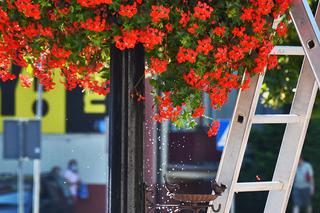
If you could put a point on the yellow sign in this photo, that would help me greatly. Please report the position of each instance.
(90, 105)
(25, 99)
(84, 110)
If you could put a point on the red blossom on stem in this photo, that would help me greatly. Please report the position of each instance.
(128, 10)
(185, 18)
(282, 29)
(272, 62)
(169, 27)
(219, 31)
(186, 54)
(193, 28)
(214, 129)
(97, 24)
(25, 81)
(198, 112)
(204, 46)
(60, 52)
(202, 11)
(159, 12)
(166, 109)
(28, 9)
(93, 3)
(157, 66)
(127, 40)
(151, 37)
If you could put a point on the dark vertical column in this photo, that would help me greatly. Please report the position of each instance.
(126, 114)
(8, 93)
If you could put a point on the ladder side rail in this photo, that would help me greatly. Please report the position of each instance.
(302, 104)
(232, 156)
(293, 140)
(308, 32)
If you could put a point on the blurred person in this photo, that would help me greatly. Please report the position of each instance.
(303, 187)
(57, 193)
(73, 178)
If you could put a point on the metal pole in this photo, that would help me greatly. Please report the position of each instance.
(20, 171)
(20, 186)
(36, 162)
(126, 114)
(163, 146)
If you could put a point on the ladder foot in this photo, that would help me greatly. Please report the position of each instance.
(215, 210)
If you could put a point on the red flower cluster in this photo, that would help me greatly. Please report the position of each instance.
(202, 11)
(214, 129)
(186, 54)
(25, 81)
(5, 75)
(198, 112)
(127, 40)
(93, 3)
(157, 66)
(45, 78)
(195, 80)
(193, 28)
(150, 37)
(97, 24)
(221, 55)
(159, 12)
(28, 9)
(169, 27)
(219, 31)
(191, 48)
(4, 18)
(94, 85)
(185, 18)
(128, 10)
(218, 92)
(204, 46)
(272, 62)
(281, 7)
(264, 6)
(60, 53)
(32, 30)
(166, 109)
(238, 31)
(89, 51)
(282, 29)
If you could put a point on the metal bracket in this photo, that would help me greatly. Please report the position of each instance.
(194, 202)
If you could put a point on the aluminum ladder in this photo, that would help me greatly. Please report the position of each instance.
(297, 120)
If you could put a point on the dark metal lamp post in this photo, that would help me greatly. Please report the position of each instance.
(126, 116)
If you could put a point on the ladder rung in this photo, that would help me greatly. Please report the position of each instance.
(287, 50)
(259, 186)
(276, 119)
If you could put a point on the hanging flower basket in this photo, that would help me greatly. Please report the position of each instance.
(191, 46)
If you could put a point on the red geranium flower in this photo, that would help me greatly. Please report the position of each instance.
(128, 10)
(213, 131)
(159, 12)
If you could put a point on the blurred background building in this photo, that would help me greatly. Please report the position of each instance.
(73, 127)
